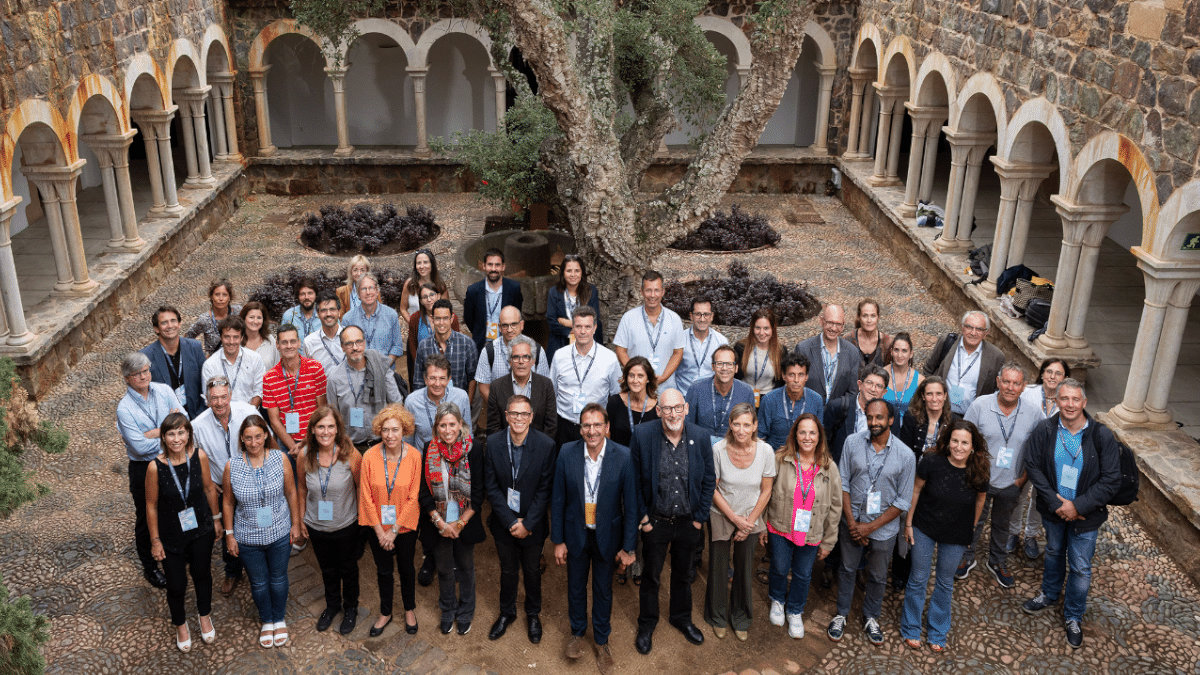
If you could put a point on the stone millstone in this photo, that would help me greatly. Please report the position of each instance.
(527, 252)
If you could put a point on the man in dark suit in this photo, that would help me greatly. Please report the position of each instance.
(969, 363)
(673, 461)
(521, 379)
(847, 415)
(518, 470)
(593, 526)
(485, 298)
(176, 362)
(833, 360)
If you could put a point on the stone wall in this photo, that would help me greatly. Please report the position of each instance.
(1128, 67)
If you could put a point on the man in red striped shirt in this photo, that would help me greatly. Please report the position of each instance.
(292, 390)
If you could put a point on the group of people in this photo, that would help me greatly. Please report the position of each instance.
(672, 442)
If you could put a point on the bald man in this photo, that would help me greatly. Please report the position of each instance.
(834, 360)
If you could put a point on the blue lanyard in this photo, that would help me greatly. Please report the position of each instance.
(389, 483)
(783, 402)
(292, 385)
(329, 474)
(703, 347)
(1007, 433)
(362, 387)
(493, 308)
(725, 401)
(148, 412)
(970, 364)
(662, 316)
(179, 368)
(187, 485)
(882, 465)
(511, 462)
(333, 357)
(370, 336)
(758, 372)
(1063, 436)
(830, 365)
(236, 372)
(592, 487)
(575, 365)
(629, 409)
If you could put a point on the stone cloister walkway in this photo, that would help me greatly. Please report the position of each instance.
(72, 552)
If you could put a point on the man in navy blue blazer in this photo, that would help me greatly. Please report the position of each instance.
(673, 460)
(485, 299)
(176, 362)
(593, 526)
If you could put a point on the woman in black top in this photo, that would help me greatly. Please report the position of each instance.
(928, 413)
(636, 402)
(948, 496)
(179, 487)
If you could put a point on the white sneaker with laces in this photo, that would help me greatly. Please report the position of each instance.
(776, 613)
(795, 626)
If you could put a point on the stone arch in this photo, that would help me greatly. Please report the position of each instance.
(215, 36)
(91, 86)
(934, 69)
(1086, 184)
(735, 35)
(141, 65)
(420, 56)
(50, 130)
(896, 72)
(258, 48)
(867, 35)
(735, 66)
(1017, 144)
(967, 118)
(1179, 218)
(824, 43)
(391, 29)
(182, 49)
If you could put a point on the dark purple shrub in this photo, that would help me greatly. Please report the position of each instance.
(735, 231)
(278, 291)
(736, 297)
(364, 229)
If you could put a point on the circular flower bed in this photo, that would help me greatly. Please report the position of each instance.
(363, 229)
(278, 291)
(736, 297)
(735, 231)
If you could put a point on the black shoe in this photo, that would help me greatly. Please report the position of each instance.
(535, 629)
(446, 626)
(376, 631)
(644, 641)
(428, 569)
(464, 627)
(410, 628)
(155, 577)
(349, 620)
(326, 619)
(1074, 634)
(826, 578)
(501, 626)
(690, 632)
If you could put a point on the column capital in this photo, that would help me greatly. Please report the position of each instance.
(862, 74)
(973, 145)
(1086, 223)
(109, 148)
(192, 93)
(926, 119)
(222, 78)
(1022, 170)
(822, 70)
(158, 120)
(7, 209)
(59, 178)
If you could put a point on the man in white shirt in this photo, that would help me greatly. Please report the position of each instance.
(493, 360)
(583, 373)
(699, 344)
(325, 345)
(243, 368)
(652, 331)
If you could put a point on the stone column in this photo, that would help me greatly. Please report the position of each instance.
(1167, 356)
(418, 79)
(859, 78)
(54, 223)
(153, 165)
(967, 152)
(223, 83)
(893, 162)
(160, 121)
(1085, 277)
(189, 143)
(821, 134)
(216, 113)
(10, 291)
(864, 126)
(338, 77)
(1009, 186)
(1080, 223)
(926, 122)
(889, 101)
(1160, 286)
(193, 102)
(262, 115)
(60, 181)
(112, 203)
(113, 150)
(501, 91)
(931, 156)
(1019, 182)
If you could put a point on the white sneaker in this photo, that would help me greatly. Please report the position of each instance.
(795, 626)
(776, 613)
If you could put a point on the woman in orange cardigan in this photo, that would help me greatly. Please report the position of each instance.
(388, 489)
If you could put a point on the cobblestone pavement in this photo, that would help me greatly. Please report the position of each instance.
(72, 551)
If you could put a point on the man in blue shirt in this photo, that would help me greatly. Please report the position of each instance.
(139, 413)
(304, 315)
(710, 399)
(380, 324)
(699, 344)
(782, 406)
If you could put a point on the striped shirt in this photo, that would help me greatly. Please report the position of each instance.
(297, 394)
(255, 488)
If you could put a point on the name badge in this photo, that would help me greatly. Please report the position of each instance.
(181, 394)
(757, 395)
(958, 396)
(589, 514)
(1069, 478)
(802, 521)
(356, 417)
(451, 511)
(654, 362)
(874, 501)
(264, 516)
(1004, 458)
(187, 519)
(580, 402)
(292, 422)
(387, 514)
(324, 510)
(493, 330)
(514, 500)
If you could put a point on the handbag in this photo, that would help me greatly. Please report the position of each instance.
(1037, 313)
(1028, 290)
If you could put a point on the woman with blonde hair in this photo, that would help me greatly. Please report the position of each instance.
(328, 470)
(348, 292)
(802, 519)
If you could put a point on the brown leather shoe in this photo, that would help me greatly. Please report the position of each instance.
(574, 648)
(604, 659)
(228, 585)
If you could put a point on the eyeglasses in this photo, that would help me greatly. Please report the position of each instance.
(519, 415)
(508, 326)
(672, 409)
(702, 315)
(974, 329)
(354, 343)
(521, 358)
(142, 372)
(836, 324)
(218, 382)
(724, 364)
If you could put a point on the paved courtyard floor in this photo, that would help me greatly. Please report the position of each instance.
(72, 551)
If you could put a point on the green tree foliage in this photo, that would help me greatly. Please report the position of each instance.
(334, 20)
(21, 633)
(16, 485)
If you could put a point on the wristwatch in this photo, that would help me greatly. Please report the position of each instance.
(228, 532)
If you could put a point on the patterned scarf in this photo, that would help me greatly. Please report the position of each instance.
(442, 460)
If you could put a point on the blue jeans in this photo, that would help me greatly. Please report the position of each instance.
(267, 568)
(1065, 546)
(785, 557)
(921, 555)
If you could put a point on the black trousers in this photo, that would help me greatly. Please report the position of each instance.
(233, 564)
(197, 555)
(337, 556)
(566, 432)
(679, 537)
(141, 530)
(517, 557)
(402, 553)
(578, 566)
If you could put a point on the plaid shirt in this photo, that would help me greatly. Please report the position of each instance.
(460, 349)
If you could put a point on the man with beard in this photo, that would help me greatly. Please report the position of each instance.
(325, 345)
(485, 298)
(304, 315)
(176, 361)
(673, 467)
(878, 472)
(360, 387)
